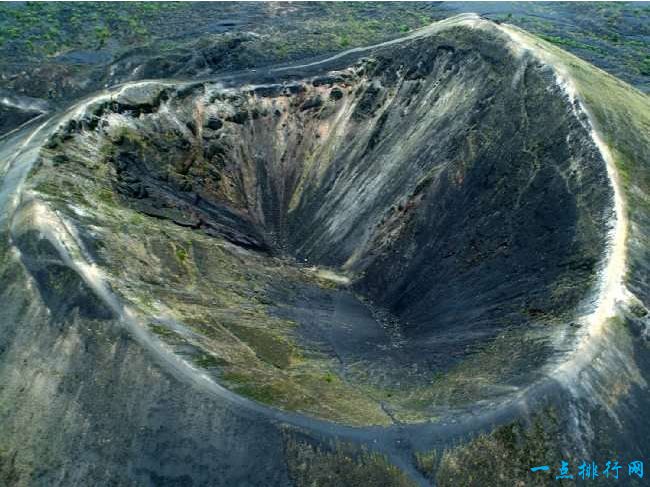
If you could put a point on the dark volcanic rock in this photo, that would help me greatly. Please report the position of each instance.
(214, 123)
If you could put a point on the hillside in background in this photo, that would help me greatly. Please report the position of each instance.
(51, 53)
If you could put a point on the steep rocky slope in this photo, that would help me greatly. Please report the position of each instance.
(335, 262)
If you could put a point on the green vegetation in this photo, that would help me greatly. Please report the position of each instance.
(32, 34)
(613, 35)
(207, 361)
(344, 25)
(106, 196)
(181, 253)
(268, 347)
(340, 465)
(164, 332)
(44, 29)
(644, 67)
(572, 43)
(509, 450)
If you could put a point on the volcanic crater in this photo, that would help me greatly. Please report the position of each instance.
(365, 240)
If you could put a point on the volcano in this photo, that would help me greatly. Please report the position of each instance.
(396, 259)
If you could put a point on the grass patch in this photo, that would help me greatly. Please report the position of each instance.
(106, 197)
(270, 348)
(341, 465)
(181, 254)
(207, 361)
(163, 331)
(509, 450)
